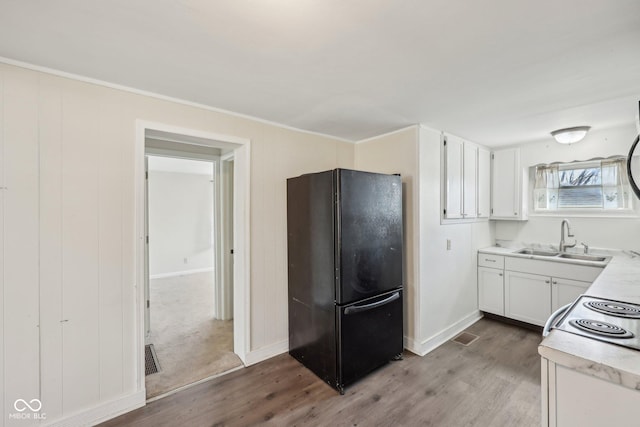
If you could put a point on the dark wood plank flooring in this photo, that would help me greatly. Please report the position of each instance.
(493, 382)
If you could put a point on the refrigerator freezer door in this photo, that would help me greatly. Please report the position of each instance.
(369, 235)
(370, 336)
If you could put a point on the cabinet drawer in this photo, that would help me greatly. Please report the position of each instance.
(492, 261)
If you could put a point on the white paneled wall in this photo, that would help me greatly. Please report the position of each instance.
(80, 250)
(51, 279)
(286, 158)
(21, 224)
(68, 311)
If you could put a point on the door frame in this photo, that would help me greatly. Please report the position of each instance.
(241, 229)
(224, 291)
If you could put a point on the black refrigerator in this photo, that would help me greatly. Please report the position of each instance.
(345, 272)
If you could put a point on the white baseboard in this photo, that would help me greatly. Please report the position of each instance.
(180, 273)
(267, 352)
(411, 345)
(446, 334)
(102, 412)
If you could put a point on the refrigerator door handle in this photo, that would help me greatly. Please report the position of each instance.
(360, 308)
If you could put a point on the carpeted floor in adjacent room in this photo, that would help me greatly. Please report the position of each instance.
(189, 342)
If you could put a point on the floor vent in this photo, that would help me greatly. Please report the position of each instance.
(151, 365)
(465, 338)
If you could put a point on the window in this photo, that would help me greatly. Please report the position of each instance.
(596, 185)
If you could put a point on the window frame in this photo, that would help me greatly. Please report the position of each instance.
(631, 211)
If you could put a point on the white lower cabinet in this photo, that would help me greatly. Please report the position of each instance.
(571, 398)
(532, 297)
(565, 291)
(527, 297)
(511, 286)
(491, 290)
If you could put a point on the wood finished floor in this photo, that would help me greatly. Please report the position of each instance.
(493, 382)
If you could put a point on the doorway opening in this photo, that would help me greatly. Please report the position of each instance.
(193, 320)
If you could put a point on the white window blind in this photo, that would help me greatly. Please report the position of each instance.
(592, 185)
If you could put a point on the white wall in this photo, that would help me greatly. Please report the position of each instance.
(69, 283)
(448, 278)
(180, 222)
(441, 285)
(610, 232)
(397, 153)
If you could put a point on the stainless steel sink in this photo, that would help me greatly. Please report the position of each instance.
(528, 251)
(583, 257)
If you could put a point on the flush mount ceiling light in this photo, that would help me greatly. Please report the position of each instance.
(570, 135)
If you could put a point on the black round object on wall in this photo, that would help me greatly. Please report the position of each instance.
(632, 180)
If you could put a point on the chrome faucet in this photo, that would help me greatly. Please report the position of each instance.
(563, 246)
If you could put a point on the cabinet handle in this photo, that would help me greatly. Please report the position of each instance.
(499, 274)
(515, 213)
(490, 260)
(554, 282)
(546, 281)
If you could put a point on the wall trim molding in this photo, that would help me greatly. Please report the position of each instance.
(435, 341)
(266, 352)
(84, 79)
(181, 273)
(103, 412)
(373, 138)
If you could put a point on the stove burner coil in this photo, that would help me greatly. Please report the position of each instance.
(618, 309)
(598, 327)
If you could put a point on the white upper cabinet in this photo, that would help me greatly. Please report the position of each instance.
(465, 179)
(470, 180)
(508, 198)
(453, 152)
(484, 182)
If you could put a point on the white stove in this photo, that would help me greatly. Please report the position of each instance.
(605, 320)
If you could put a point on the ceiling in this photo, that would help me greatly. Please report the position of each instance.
(494, 71)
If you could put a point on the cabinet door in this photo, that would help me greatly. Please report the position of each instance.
(576, 399)
(505, 184)
(484, 183)
(453, 174)
(565, 291)
(527, 297)
(470, 181)
(491, 290)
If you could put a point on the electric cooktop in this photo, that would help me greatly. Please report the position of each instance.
(614, 322)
